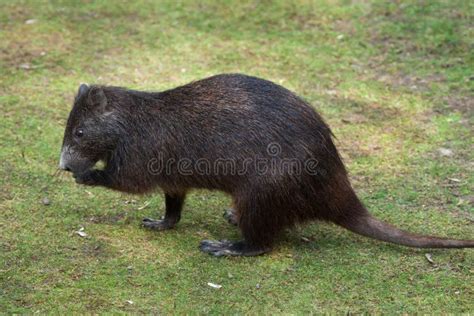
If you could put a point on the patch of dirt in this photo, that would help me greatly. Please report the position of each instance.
(345, 27)
(6, 247)
(360, 112)
(19, 55)
(17, 14)
(94, 300)
(414, 83)
(375, 113)
(26, 48)
(6, 172)
(463, 104)
(102, 13)
(108, 218)
(398, 15)
(5, 193)
(95, 249)
(305, 21)
(397, 47)
(359, 149)
(399, 79)
(354, 118)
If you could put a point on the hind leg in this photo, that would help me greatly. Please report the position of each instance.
(174, 204)
(258, 227)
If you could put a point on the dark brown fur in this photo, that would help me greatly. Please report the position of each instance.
(233, 117)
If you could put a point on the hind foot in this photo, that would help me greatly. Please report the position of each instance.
(231, 217)
(230, 248)
(158, 224)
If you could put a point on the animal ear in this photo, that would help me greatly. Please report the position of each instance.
(83, 88)
(98, 100)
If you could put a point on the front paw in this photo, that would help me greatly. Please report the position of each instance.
(86, 178)
(162, 224)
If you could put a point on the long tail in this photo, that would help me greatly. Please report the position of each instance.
(369, 226)
(357, 219)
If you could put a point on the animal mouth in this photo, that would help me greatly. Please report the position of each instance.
(86, 166)
(71, 161)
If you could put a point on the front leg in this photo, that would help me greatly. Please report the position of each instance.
(174, 205)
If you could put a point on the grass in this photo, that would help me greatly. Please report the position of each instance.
(393, 79)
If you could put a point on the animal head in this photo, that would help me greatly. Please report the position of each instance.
(91, 131)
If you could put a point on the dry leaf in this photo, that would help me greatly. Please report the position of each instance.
(81, 232)
(144, 206)
(429, 258)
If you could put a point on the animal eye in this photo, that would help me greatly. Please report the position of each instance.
(79, 132)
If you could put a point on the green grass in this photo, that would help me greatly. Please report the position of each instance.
(393, 79)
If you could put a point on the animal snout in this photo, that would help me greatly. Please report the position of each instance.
(74, 162)
(63, 161)
(65, 168)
